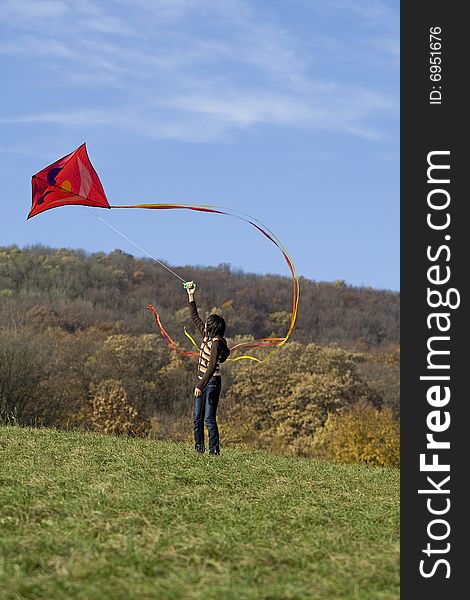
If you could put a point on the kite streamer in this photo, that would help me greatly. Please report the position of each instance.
(73, 180)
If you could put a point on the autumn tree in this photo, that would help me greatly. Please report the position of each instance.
(283, 402)
(361, 433)
(111, 411)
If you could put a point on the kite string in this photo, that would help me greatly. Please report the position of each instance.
(277, 342)
(137, 246)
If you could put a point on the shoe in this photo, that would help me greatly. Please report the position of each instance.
(214, 452)
(199, 449)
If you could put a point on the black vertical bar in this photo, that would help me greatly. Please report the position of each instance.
(427, 127)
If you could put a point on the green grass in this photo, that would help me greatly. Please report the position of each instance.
(92, 517)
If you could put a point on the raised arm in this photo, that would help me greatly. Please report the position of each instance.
(193, 311)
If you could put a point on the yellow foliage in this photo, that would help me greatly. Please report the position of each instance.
(111, 412)
(283, 402)
(227, 305)
(126, 347)
(137, 359)
(281, 320)
(138, 276)
(391, 357)
(361, 434)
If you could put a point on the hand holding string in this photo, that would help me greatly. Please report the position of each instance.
(190, 287)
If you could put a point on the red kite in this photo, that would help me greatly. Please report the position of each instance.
(70, 180)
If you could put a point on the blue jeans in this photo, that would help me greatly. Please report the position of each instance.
(205, 405)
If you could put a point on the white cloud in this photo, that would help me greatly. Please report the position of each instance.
(243, 110)
(186, 69)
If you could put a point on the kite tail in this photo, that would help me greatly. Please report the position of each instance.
(173, 345)
(274, 342)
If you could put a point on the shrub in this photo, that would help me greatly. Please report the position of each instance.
(111, 412)
(283, 402)
(138, 360)
(361, 434)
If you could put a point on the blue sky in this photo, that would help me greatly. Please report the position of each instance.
(284, 109)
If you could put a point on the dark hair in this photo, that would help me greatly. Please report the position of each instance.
(215, 326)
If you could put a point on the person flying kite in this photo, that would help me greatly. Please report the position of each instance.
(72, 180)
(213, 351)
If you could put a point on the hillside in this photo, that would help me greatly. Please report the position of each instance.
(79, 348)
(92, 517)
(76, 290)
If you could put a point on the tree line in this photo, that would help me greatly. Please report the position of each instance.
(80, 289)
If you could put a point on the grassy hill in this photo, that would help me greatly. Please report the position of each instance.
(91, 517)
